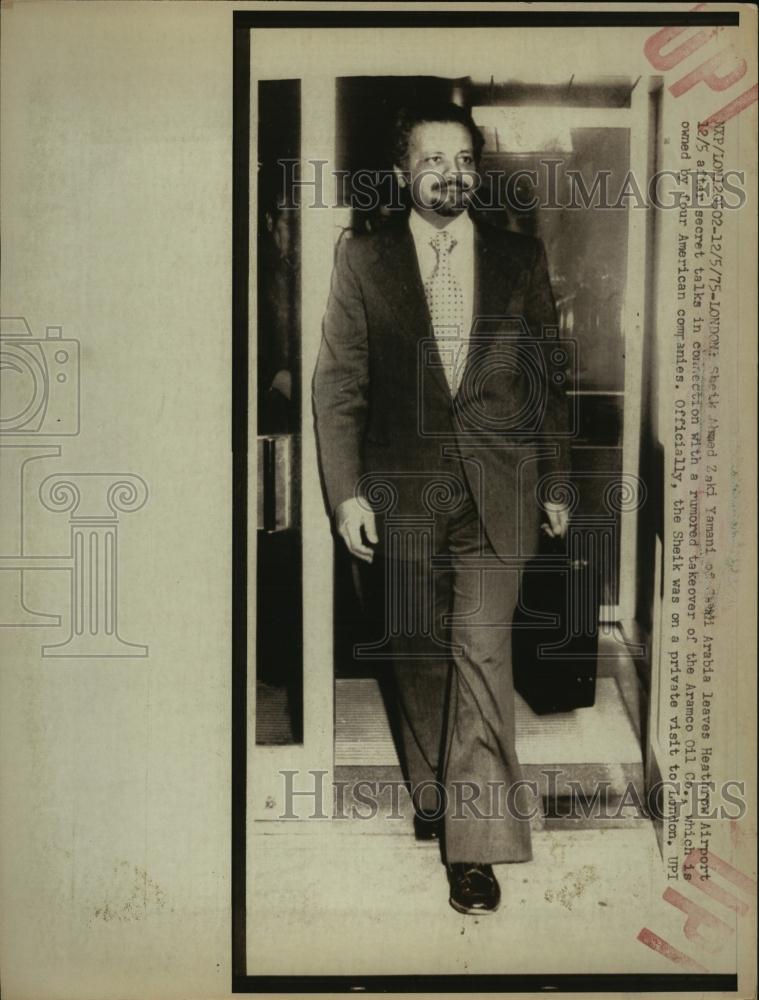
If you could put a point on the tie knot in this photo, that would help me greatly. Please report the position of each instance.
(442, 242)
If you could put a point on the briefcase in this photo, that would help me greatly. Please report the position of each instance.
(555, 633)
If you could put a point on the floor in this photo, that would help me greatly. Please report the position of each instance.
(346, 896)
(343, 899)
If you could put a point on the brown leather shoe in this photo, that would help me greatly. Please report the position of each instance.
(474, 888)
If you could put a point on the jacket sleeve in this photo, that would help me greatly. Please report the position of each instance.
(340, 384)
(540, 313)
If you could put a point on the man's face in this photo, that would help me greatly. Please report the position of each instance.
(440, 167)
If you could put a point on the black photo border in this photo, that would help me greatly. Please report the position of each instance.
(244, 25)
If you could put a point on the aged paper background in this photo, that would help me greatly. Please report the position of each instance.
(117, 125)
(116, 216)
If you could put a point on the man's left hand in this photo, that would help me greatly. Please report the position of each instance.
(558, 520)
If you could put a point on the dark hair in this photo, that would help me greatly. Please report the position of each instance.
(408, 117)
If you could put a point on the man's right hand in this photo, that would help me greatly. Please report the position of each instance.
(351, 517)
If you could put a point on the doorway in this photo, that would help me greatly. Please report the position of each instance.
(331, 712)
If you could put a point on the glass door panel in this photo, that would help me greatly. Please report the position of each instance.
(549, 194)
(279, 562)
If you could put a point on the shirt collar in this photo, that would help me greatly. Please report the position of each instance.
(461, 229)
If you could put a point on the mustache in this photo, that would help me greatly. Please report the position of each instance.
(457, 186)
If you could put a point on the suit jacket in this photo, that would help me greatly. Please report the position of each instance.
(387, 425)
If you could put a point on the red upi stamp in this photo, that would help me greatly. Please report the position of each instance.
(725, 890)
(722, 71)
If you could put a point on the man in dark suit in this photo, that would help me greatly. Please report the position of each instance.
(439, 406)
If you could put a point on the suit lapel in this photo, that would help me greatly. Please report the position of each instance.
(495, 272)
(399, 280)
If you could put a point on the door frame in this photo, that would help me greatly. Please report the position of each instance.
(313, 759)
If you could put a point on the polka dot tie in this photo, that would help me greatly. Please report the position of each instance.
(445, 299)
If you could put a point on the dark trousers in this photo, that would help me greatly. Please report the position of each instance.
(448, 628)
